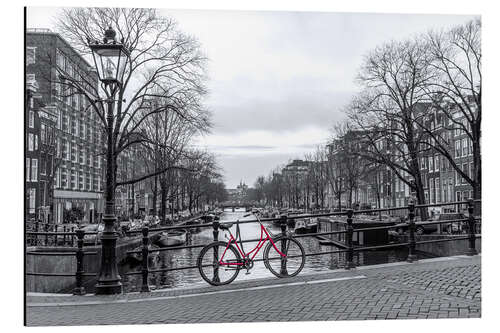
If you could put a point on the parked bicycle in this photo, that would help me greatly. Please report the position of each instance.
(220, 262)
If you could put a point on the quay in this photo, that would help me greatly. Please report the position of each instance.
(446, 287)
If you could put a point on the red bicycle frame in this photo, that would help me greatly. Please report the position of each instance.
(254, 251)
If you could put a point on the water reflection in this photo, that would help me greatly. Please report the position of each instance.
(191, 277)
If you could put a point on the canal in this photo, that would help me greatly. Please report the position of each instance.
(188, 257)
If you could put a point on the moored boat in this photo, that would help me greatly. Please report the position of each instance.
(172, 238)
(300, 227)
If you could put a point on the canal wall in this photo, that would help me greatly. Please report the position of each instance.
(442, 249)
(67, 264)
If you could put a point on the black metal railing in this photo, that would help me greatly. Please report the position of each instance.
(77, 252)
(473, 226)
(50, 234)
(349, 232)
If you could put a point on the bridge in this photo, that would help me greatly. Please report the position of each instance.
(448, 286)
(239, 204)
(395, 291)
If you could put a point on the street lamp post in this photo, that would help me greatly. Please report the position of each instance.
(110, 59)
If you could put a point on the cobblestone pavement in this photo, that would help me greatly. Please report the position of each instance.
(434, 288)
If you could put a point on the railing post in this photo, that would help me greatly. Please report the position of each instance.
(64, 237)
(36, 230)
(411, 228)
(350, 246)
(145, 260)
(46, 236)
(79, 289)
(215, 225)
(283, 225)
(472, 229)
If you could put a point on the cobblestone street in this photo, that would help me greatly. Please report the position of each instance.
(433, 288)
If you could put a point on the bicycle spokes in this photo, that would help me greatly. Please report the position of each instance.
(287, 263)
(219, 264)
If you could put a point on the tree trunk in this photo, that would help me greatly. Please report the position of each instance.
(163, 202)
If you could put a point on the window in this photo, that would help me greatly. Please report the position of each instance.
(431, 190)
(457, 148)
(34, 170)
(30, 141)
(459, 196)
(457, 178)
(436, 163)
(36, 142)
(30, 55)
(470, 147)
(445, 193)
(42, 133)
(43, 166)
(431, 163)
(31, 119)
(465, 146)
(28, 169)
(73, 180)
(465, 169)
(32, 193)
(438, 190)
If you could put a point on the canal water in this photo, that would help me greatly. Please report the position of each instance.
(188, 257)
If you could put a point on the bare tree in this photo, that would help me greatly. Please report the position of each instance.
(394, 77)
(164, 64)
(455, 92)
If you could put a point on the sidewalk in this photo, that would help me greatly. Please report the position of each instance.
(433, 288)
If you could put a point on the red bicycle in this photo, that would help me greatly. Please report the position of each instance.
(220, 262)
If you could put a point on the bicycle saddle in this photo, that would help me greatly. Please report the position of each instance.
(225, 226)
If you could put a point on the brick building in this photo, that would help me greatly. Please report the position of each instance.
(441, 182)
(78, 164)
(31, 149)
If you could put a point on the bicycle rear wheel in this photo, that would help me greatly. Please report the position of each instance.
(215, 271)
(288, 266)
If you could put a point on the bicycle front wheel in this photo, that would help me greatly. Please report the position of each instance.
(284, 266)
(219, 264)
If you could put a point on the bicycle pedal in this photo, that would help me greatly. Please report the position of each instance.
(247, 273)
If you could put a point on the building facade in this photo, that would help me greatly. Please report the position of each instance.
(77, 165)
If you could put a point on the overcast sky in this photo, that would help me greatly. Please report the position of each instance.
(278, 80)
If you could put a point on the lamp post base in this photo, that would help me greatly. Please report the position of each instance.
(108, 282)
(108, 289)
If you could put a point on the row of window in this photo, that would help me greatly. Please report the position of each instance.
(78, 180)
(463, 147)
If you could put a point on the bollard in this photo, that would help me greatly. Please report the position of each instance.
(472, 229)
(145, 260)
(283, 225)
(79, 289)
(215, 225)
(350, 246)
(411, 228)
